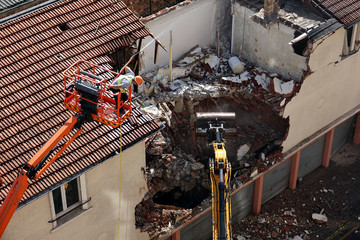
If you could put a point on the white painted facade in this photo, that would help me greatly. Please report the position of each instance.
(100, 221)
(191, 25)
(328, 93)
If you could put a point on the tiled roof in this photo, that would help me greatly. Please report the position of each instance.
(35, 52)
(346, 11)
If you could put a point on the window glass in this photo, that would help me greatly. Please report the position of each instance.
(57, 200)
(71, 192)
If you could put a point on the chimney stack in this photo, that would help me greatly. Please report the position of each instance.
(271, 8)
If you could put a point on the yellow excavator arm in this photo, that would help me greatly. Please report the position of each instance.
(220, 174)
(212, 124)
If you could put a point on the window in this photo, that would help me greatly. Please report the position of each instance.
(68, 201)
(351, 40)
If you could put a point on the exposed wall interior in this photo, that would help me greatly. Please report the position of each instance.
(265, 47)
(200, 15)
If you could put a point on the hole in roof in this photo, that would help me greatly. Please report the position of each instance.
(300, 46)
(63, 27)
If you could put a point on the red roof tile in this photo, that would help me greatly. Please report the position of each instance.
(35, 52)
(346, 11)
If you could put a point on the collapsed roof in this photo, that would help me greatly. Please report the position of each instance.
(345, 11)
(36, 49)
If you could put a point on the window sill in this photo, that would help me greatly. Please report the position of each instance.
(70, 218)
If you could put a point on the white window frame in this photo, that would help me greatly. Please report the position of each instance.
(83, 200)
(354, 41)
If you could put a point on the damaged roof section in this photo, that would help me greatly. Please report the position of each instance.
(346, 11)
(36, 49)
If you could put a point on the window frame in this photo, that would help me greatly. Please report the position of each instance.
(69, 212)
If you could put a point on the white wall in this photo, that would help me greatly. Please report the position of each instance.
(192, 24)
(328, 93)
(101, 221)
(266, 48)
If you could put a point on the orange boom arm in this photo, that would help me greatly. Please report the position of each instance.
(33, 170)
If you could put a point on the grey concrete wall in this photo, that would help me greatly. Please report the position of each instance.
(341, 134)
(201, 229)
(266, 48)
(242, 202)
(311, 157)
(276, 181)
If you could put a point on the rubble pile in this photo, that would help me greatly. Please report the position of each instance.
(284, 224)
(165, 172)
(324, 205)
(177, 159)
(201, 74)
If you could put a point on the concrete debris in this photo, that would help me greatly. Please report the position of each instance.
(279, 87)
(215, 61)
(327, 190)
(153, 110)
(297, 238)
(196, 166)
(242, 151)
(287, 87)
(177, 72)
(240, 238)
(254, 172)
(212, 77)
(236, 65)
(263, 81)
(282, 103)
(319, 218)
(262, 156)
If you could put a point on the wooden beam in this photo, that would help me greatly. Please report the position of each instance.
(356, 139)
(327, 148)
(176, 235)
(258, 194)
(295, 159)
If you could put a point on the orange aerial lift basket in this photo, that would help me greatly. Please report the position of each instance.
(86, 87)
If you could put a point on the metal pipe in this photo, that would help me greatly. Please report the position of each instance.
(297, 39)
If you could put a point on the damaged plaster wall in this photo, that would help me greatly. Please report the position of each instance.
(328, 93)
(101, 220)
(266, 48)
(191, 25)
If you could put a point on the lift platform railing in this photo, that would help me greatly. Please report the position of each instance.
(88, 76)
